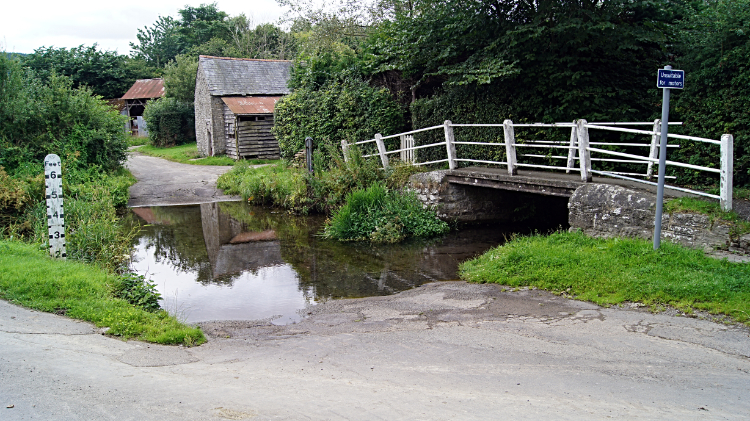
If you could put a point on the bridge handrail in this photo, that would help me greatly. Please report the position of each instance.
(578, 145)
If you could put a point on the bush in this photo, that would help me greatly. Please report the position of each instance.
(94, 232)
(170, 122)
(137, 290)
(383, 216)
(339, 110)
(38, 118)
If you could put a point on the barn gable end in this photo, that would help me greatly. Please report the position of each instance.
(234, 100)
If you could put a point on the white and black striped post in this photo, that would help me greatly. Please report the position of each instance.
(55, 212)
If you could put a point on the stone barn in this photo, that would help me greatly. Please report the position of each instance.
(234, 104)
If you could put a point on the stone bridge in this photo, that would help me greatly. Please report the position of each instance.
(604, 207)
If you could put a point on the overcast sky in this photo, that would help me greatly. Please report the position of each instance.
(26, 25)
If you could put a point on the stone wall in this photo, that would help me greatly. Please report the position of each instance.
(209, 118)
(458, 203)
(202, 113)
(465, 203)
(602, 210)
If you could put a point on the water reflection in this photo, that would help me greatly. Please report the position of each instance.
(231, 261)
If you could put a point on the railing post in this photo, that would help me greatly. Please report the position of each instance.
(449, 146)
(727, 170)
(510, 146)
(572, 151)
(381, 149)
(345, 150)
(654, 148)
(584, 155)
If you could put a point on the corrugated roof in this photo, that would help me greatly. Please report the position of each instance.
(240, 105)
(238, 76)
(145, 89)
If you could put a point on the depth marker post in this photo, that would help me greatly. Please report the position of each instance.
(55, 213)
(666, 79)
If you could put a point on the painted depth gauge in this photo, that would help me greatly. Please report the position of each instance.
(55, 214)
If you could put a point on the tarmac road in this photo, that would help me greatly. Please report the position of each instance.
(162, 182)
(443, 351)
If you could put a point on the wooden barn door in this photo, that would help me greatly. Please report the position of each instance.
(254, 138)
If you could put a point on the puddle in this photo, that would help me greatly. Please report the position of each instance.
(231, 261)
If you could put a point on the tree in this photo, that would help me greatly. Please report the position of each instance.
(169, 37)
(107, 73)
(179, 78)
(201, 24)
(159, 43)
(265, 41)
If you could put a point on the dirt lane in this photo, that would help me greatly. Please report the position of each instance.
(162, 182)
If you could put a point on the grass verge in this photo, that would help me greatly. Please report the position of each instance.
(30, 278)
(188, 154)
(617, 270)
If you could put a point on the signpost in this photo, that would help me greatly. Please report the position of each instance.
(666, 79)
(55, 214)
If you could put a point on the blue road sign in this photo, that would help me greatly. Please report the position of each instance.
(672, 79)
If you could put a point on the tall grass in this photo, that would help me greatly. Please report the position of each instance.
(92, 197)
(324, 191)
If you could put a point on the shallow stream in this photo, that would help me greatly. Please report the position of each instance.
(232, 261)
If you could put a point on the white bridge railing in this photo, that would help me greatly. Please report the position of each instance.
(579, 148)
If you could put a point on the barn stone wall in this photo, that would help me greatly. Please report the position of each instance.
(209, 119)
(202, 113)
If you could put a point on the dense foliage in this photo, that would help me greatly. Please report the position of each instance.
(483, 62)
(207, 30)
(39, 117)
(107, 73)
(347, 109)
(170, 122)
(715, 53)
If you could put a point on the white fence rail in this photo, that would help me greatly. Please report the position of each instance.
(579, 148)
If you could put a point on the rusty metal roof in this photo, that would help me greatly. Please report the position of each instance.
(240, 105)
(145, 89)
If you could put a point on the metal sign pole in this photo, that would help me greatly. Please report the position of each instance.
(667, 79)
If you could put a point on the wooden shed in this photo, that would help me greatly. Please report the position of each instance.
(142, 91)
(234, 104)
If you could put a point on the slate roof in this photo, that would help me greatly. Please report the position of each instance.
(238, 76)
(240, 105)
(145, 89)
